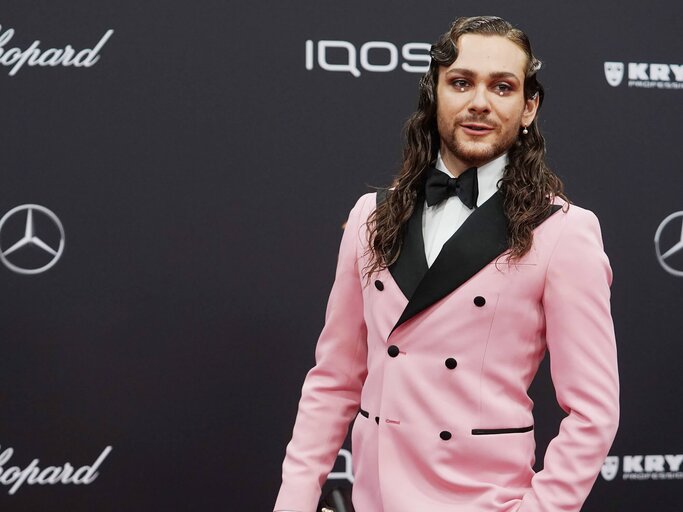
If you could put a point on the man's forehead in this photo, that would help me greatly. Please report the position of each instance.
(489, 54)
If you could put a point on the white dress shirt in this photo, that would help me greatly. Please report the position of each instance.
(440, 221)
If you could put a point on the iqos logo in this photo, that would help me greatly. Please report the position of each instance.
(373, 56)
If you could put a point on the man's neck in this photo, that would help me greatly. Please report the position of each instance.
(493, 168)
(454, 165)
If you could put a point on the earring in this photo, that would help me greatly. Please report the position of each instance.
(525, 131)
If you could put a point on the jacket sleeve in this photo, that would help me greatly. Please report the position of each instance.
(330, 396)
(583, 364)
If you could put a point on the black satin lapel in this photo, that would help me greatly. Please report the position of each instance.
(480, 239)
(411, 264)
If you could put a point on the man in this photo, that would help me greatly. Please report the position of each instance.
(447, 294)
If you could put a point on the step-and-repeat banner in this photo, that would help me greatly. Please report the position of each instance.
(174, 180)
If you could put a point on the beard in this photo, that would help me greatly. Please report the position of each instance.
(472, 152)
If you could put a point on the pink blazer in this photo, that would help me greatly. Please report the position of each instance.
(434, 364)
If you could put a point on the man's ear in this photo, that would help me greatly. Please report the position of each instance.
(530, 109)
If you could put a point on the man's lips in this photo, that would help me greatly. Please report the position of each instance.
(476, 128)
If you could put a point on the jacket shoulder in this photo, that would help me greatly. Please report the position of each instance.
(574, 226)
(364, 205)
(573, 213)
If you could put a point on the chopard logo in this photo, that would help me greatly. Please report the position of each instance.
(16, 58)
(645, 75)
(670, 256)
(15, 476)
(47, 246)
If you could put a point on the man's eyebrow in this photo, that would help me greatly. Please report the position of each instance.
(503, 74)
(461, 71)
(469, 73)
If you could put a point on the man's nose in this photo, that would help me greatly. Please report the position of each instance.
(479, 101)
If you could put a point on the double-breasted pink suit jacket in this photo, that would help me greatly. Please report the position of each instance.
(434, 364)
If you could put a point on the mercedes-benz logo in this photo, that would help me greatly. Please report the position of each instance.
(675, 228)
(31, 254)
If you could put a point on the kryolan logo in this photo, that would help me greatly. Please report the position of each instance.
(645, 75)
(643, 467)
(16, 58)
(15, 477)
(610, 468)
(614, 72)
(373, 56)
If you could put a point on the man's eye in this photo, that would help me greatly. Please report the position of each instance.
(503, 88)
(459, 84)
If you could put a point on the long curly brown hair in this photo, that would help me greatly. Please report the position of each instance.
(528, 184)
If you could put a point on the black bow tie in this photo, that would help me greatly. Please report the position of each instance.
(440, 186)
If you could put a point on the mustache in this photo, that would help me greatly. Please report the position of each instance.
(475, 119)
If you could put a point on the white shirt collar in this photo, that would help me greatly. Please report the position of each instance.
(488, 175)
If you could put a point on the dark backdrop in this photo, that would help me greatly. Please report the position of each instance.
(202, 173)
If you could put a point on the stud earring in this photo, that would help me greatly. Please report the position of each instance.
(525, 131)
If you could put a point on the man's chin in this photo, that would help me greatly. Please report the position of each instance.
(478, 155)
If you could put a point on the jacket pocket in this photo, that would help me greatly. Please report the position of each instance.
(492, 431)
